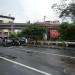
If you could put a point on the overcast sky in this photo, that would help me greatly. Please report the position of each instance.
(25, 10)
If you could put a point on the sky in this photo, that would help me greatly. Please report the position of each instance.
(25, 10)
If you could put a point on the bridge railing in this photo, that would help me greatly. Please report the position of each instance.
(53, 43)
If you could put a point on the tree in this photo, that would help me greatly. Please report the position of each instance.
(69, 12)
(34, 31)
(62, 29)
(59, 7)
(13, 35)
(64, 9)
(67, 31)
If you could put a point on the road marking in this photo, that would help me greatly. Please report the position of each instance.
(22, 65)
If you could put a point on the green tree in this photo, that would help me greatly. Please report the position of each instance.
(34, 31)
(67, 31)
(13, 35)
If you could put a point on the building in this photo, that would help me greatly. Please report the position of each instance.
(52, 31)
(6, 19)
(8, 26)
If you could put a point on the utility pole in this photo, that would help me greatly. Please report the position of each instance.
(44, 18)
(12, 29)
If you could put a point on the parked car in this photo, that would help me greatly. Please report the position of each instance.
(15, 42)
(7, 42)
(23, 41)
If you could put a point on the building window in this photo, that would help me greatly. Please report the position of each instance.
(1, 21)
(5, 33)
(10, 22)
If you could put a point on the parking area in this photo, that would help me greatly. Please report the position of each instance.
(36, 61)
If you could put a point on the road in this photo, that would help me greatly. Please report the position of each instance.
(36, 61)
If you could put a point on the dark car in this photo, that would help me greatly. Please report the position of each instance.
(23, 41)
(7, 42)
(15, 42)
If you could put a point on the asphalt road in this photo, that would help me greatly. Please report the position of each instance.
(36, 61)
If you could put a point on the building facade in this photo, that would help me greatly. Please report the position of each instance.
(8, 26)
(52, 31)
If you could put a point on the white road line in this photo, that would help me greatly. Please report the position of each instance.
(22, 65)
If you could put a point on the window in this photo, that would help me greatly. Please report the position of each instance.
(1, 21)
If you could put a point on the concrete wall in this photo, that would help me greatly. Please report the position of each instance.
(6, 20)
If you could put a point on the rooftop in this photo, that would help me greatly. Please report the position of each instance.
(9, 17)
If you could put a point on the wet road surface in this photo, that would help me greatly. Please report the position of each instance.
(51, 61)
(7, 68)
